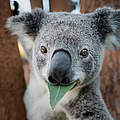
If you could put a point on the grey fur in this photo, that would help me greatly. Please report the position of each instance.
(72, 32)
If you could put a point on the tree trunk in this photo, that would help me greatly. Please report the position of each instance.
(11, 74)
(110, 74)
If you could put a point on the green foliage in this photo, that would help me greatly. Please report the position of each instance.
(57, 92)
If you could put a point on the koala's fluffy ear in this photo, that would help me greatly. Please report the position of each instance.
(108, 25)
(26, 26)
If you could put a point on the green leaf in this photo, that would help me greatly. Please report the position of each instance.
(57, 92)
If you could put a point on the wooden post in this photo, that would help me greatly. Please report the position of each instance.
(12, 84)
(110, 74)
(36, 3)
(91, 5)
(60, 5)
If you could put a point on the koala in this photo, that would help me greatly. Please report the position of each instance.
(63, 48)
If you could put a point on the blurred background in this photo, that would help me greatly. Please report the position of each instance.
(14, 67)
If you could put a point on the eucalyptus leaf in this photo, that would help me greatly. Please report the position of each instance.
(57, 92)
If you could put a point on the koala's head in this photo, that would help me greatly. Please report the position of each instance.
(67, 47)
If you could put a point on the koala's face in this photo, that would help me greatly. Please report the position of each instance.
(69, 47)
(67, 50)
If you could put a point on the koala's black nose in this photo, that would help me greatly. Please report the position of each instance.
(60, 67)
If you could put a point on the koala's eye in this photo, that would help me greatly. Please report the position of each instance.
(84, 52)
(43, 49)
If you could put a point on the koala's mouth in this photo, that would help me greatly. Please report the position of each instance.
(64, 82)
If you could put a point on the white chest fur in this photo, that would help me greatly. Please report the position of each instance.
(36, 100)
